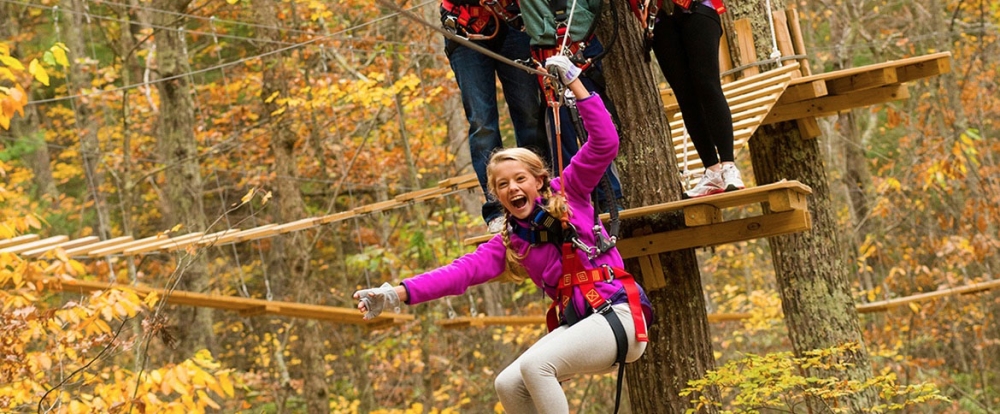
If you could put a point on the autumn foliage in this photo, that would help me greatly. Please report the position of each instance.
(372, 106)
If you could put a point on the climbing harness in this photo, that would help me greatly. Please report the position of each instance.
(469, 21)
(576, 276)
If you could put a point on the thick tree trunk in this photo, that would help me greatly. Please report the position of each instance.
(182, 181)
(810, 266)
(680, 347)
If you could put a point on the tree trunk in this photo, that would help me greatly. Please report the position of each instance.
(810, 267)
(680, 348)
(290, 254)
(86, 125)
(182, 181)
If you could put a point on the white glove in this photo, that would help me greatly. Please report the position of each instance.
(563, 68)
(373, 301)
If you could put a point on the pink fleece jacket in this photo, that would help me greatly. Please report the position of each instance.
(543, 262)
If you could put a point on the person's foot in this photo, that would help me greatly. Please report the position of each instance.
(496, 225)
(731, 178)
(710, 183)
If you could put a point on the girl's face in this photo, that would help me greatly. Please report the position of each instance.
(516, 188)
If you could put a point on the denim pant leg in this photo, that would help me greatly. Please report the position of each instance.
(476, 77)
(523, 96)
(569, 138)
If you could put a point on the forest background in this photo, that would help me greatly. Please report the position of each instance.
(131, 117)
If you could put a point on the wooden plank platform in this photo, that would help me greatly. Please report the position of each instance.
(786, 200)
(832, 92)
(245, 306)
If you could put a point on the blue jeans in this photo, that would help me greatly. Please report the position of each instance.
(476, 74)
(593, 80)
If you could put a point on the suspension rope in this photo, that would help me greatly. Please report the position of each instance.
(775, 53)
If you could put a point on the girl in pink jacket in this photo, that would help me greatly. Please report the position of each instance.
(599, 314)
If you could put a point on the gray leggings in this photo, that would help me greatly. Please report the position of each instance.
(531, 383)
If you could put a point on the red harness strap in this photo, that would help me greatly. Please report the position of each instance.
(574, 274)
(467, 13)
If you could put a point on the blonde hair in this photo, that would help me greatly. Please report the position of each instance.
(555, 204)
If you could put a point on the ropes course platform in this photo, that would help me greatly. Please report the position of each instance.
(243, 306)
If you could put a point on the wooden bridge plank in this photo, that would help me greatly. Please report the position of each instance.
(163, 243)
(69, 244)
(27, 238)
(46, 242)
(83, 250)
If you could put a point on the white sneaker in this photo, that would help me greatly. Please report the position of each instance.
(731, 178)
(710, 183)
(496, 225)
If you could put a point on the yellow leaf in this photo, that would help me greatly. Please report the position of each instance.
(151, 299)
(36, 70)
(271, 98)
(205, 399)
(60, 54)
(77, 267)
(247, 197)
(232, 1)
(11, 62)
(914, 307)
(278, 111)
(227, 385)
(7, 74)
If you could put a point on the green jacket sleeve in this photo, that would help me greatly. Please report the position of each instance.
(540, 20)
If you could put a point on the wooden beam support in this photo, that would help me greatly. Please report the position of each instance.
(885, 305)
(832, 104)
(868, 79)
(249, 305)
(714, 234)
(701, 215)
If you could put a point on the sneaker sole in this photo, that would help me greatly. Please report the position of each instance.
(685, 196)
(733, 188)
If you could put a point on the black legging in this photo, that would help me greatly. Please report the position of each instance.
(687, 48)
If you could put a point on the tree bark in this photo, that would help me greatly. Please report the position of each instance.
(289, 256)
(680, 348)
(810, 266)
(182, 176)
(86, 125)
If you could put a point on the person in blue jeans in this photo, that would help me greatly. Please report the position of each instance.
(476, 75)
(593, 80)
(551, 27)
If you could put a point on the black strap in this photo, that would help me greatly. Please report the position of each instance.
(622, 340)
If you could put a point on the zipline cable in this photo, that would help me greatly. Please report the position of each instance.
(461, 40)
